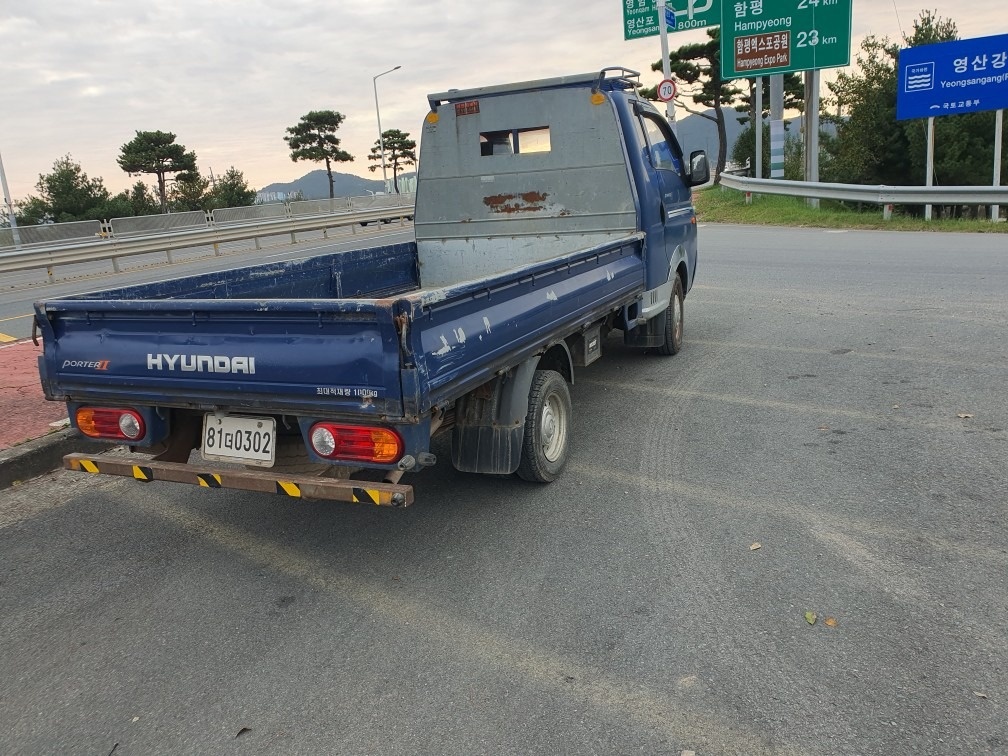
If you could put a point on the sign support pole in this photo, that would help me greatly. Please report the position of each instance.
(666, 67)
(929, 180)
(998, 126)
(777, 97)
(812, 130)
(777, 126)
(758, 128)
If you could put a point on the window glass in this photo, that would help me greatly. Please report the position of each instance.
(665, 154)
(515, 141)
(534, 140)
(496, 143)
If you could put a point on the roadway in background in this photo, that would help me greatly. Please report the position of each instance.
(839, 401)
(19, 291)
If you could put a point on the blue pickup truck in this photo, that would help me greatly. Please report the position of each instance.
(548, 214)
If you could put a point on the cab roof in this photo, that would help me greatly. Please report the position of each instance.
(608, 79)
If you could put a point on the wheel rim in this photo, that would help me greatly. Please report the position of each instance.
(676, 319)
(553, 428)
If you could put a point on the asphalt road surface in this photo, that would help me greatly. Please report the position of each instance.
(840, 402)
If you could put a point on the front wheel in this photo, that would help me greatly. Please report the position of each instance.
(547, 428)
(673, 321)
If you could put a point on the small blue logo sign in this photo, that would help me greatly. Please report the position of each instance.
(919, 77)
(670, 19)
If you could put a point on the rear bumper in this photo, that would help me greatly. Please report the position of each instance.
(146, 470)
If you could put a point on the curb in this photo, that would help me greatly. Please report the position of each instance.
(42, 455)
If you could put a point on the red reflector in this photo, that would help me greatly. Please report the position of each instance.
(108, 422)
(356, 443)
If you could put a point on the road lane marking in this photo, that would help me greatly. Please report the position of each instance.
(775, 405)
(879, 568)
(838, 311)
(564, 677)
(5, 339)
(828, 527)
(922, 360)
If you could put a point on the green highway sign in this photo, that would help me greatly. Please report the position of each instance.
(640, 17)
(764, 37)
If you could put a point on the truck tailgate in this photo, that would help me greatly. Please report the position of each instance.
(276, 355)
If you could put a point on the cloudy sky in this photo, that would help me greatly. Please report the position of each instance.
(228, 77)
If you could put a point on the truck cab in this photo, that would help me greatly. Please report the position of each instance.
(561, 163)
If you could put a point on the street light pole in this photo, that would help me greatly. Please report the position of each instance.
(9, 205)
(381, 138)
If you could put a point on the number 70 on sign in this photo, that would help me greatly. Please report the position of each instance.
(667, 90)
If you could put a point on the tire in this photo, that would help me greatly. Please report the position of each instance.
(547, 428)
(673, 321)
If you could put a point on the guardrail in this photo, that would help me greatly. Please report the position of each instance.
(112, 248)
(886, 196)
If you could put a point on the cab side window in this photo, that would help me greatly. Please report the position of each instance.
(665, 152)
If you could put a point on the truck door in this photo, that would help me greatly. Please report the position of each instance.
(676, 203)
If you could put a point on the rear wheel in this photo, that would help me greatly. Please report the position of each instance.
(547, 428)
(673, 321)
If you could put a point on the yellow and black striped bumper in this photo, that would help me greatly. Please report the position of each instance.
(297, 486)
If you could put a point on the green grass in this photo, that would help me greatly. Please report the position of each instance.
(722, 205)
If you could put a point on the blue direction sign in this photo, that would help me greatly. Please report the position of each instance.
(950, 78)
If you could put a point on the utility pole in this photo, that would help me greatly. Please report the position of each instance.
(381, 136)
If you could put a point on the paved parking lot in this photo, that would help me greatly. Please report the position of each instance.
(832, 440)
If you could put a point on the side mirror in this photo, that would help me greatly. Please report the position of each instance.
(699, 168)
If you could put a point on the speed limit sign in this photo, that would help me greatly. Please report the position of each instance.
(666, 90)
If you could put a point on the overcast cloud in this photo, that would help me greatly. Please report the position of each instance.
(228, 77)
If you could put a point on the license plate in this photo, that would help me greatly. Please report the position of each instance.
(232, 438)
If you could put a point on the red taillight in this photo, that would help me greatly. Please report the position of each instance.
(111, 422)
(356, 443)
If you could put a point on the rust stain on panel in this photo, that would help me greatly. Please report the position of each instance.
(526, 202)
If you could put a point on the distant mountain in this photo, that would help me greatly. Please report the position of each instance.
(698, 133)
(315, 185)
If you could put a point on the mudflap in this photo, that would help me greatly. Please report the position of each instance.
(490, 423)
(650, 334)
